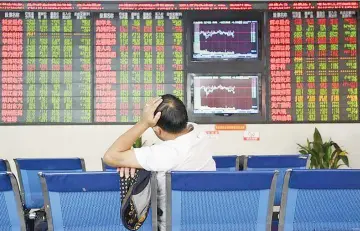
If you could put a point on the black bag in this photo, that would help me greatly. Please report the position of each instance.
(135, 197)
(40, 223)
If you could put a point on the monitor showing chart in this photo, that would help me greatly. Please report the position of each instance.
(225, 40)
(225, 94)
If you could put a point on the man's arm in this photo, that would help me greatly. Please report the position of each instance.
(120, 153)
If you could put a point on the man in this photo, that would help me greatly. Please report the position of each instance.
(184, 147)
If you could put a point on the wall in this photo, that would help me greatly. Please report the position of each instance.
(90, 142)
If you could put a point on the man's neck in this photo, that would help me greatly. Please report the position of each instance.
(188, 129)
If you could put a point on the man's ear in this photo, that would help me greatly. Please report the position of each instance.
(157, 130)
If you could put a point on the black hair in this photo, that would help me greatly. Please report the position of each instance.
(174, 116)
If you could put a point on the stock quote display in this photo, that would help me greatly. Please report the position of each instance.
(45, 68)
(137, 56)
(68, 67)
(313, 66)
(224, 94)
(225, 40)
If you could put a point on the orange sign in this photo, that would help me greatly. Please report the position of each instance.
(239, 127)
(212, 132)
(251, 136)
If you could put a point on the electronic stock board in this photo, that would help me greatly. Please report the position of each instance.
(99, 62)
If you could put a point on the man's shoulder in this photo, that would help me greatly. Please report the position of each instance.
(157, 147)
(182, 143)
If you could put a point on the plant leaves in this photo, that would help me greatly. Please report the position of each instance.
(138, 143)
(319, 154)
(317, 147)
(328, 152)
(324, 155)
(315, 160)
(345, 160)
(333, 155)
(303, 147)
(317, 137)
(336, 146)
(338, 166)
(326, 164)
(308, 143)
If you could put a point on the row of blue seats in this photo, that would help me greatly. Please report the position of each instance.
(30, 188)
(196, 201)
(32, 196)
(258, 162)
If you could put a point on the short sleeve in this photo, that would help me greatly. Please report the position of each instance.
(159, 158)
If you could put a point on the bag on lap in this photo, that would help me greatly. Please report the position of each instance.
(135, 198)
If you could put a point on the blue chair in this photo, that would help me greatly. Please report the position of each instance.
(226, 163)
(219, 201)
(11, 210)
(106, 167)
(88, 201)
(28, 170)
(276, 162)
(320, 200)
(4, 166)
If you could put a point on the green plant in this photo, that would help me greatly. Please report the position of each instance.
(324, 155)
(138, 143)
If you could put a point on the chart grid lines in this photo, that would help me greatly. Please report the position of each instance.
(225, 39)
(225, 94)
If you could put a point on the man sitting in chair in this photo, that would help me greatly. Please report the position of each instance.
(184, 147)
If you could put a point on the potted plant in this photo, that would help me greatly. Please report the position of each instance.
(138, 143)
(324, 155)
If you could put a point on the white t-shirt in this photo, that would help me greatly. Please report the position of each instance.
(189, 152)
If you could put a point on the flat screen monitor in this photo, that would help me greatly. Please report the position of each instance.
(225, 94)
(225, 40)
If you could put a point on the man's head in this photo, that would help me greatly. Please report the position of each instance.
(173, 119)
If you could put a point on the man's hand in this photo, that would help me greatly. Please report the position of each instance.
(148, 116)
(126, 172)
(120, 154)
